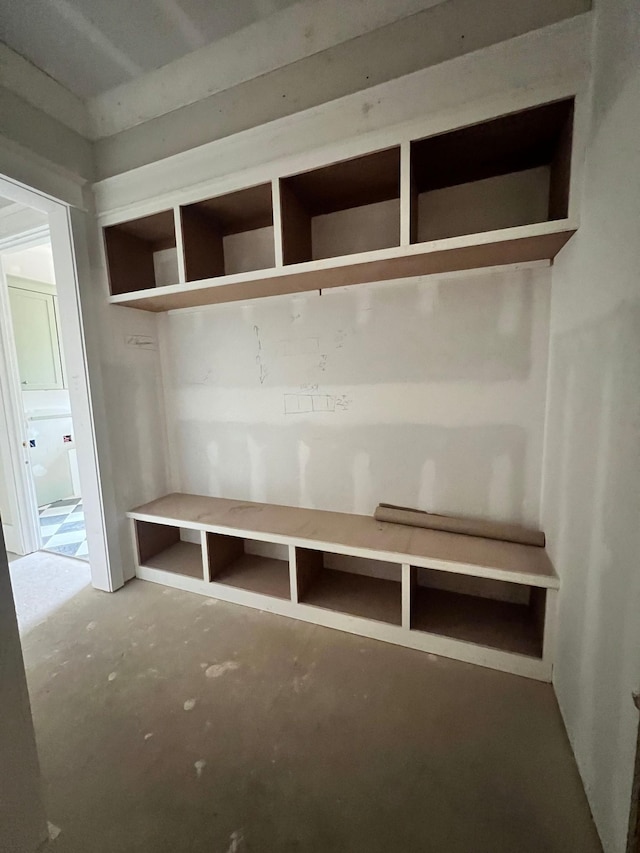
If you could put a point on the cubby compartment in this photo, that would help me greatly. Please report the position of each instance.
(141, 254)
(167, 547)
(348, 589)
(347, 207)
(510, 171)
(229, 234)
(248, 564)
(496, 614)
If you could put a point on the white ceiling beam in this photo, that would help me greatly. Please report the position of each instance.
(308, 27)
(43, 92)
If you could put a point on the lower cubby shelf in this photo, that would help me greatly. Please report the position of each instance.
(357, 595)
(472, 599)
(230, 564)
(345, 592)
(160, 547)
(484, 621)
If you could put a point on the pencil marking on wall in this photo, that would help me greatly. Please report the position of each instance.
(340, 337)
(140, 342)
(206, 379)
(263, 371)
(302, 404)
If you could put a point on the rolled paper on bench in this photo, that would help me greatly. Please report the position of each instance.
(464, 526)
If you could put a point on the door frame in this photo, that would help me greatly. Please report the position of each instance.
(25, 533)
(66, 240)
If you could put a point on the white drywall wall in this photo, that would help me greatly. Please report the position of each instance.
(592, 480)
(23, 826)
(33, 264)
(424, 392)
(135, 425)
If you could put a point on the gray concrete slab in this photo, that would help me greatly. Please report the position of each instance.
(169, 722)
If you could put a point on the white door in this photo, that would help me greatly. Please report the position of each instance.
(35, 330)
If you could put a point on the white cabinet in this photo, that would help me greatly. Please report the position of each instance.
(35, 328)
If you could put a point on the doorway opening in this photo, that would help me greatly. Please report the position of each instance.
(51, 499)
(50, 455)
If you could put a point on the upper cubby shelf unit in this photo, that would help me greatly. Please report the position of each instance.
(141, 254)
(229, 234)
(504, 173)
(342, 209)
(489, 194)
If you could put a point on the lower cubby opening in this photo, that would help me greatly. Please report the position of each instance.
(162, 546)
(250, 565)
(348, 591)
(499, 615)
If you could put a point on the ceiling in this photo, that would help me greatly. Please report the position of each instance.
(90, 46)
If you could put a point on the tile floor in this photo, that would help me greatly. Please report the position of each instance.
(62, 528)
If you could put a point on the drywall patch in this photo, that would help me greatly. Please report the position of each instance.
(304, 453)
(190, 704)
(362, 483)
(112, 676)
(200, 765)
(257, 470)
(426, 495)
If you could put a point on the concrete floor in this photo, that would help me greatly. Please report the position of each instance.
(42, 582)
(169, 722)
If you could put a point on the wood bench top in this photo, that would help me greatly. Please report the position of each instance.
(359, 535)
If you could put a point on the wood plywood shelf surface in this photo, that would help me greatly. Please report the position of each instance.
(356, 535)
(493, 194)
(357, 595)
(509, 635)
